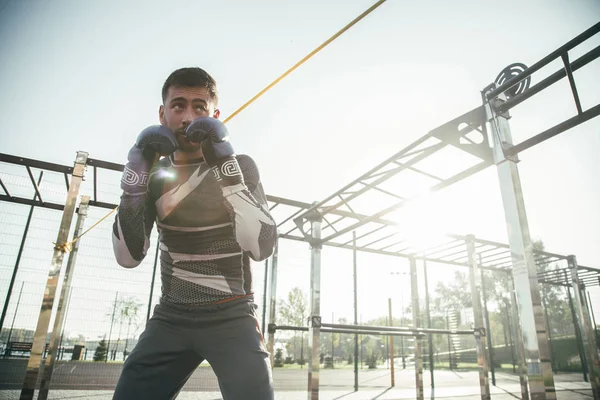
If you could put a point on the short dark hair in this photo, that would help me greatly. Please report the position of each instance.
(191, 77)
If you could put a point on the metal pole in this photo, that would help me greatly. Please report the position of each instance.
(417, 324)
(486, 318)
(587, 334)
(391, 340)
(273, 306)
(332, 338)
(65, 290)
(62, 333)
(153, 278)
(591, 311)
(533, 326)
(475, 283)
(314, 328)
(18, 261)
(543, 293)
(264, 301)
(14, 317)
(580, 348)
(430, 336)
(517, 334)
(354, 265)
(41, 331)
(112, 320)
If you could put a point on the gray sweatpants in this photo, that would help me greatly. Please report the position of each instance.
(175, 342)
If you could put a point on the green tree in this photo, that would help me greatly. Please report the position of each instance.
(293, 311)
(100, 354)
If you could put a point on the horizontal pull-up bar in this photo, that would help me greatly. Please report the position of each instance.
(371, 329)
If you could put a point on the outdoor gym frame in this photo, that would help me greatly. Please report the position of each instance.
(334, 222)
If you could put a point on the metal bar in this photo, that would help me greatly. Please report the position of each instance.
(60, 312)
(66, 180)
(95, 183)
(355, 279)
(486, 317)
(455, 243)
(461, 175)
(39, 341)
(153, 278)
(106, 165)
(29, 202)
(392, 245)
(550, 80)
(534, 336)
(555, 130)
(386, 175)
(544, 61)
(13, 277)
(478, 322)
(517, 334)
(7, 158)
(264, 300)
(588, 336)
(315, 308)
(4, 188)
(550, 343)
(391, 348)
(414, 331)
(428, 316)
(341, 330)
(388, 193)
(354, 238)
(376, 168)
(273, 303)
(273, 207)
(414, 291)
(437, 178)
(592, 311)
(35, 186)
(580, 349)
(565, 58)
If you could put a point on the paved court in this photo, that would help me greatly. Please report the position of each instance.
(290, 384)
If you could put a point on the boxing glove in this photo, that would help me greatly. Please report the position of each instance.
(151, 143)
(216, 149)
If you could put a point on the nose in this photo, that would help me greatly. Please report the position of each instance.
(188, 116)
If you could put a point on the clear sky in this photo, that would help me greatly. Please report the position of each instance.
(86, 75)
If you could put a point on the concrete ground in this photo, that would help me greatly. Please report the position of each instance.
(290, 384)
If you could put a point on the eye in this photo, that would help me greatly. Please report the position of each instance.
(201, 107)
(178, 106)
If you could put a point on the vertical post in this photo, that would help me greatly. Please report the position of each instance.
(552, 358)
(112, 320)
(153, 278)
(391, 340)
(18, 261)
(579, 341)
(533, 326)
(354, 264)
(591, 311)
(12, 326)
(314, 328)
(430, 336)
(39, 340)
(486, 317)
(264, 300)
(273, 305)
(478, 319)
(517, 334)
(414, 291)
(587, 335)
(60, 313)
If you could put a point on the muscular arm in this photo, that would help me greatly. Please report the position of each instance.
(131, 229)
(254, 227)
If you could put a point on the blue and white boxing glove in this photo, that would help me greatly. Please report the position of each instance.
(217, 149)
(151, 143)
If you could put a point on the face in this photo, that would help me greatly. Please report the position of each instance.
(182, 106)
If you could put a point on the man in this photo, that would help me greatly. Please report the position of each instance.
(211, 214)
